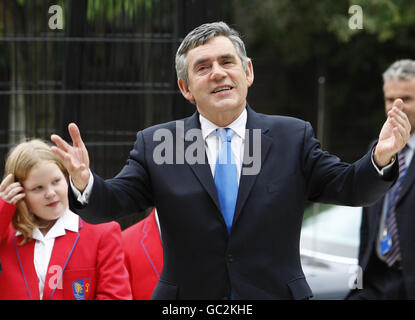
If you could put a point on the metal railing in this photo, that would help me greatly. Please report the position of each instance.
(110, 69)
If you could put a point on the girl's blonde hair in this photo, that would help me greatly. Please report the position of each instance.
(20, 160)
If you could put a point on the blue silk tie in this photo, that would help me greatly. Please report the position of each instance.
(226, 176)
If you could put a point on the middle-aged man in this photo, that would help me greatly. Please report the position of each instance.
(230, 229)
(387, 243)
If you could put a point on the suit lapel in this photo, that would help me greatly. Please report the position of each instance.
(377, 209)
(202, 171)
(247, 181)
(61, 254)
(407, 181)
(378, 206)
(151, 244)
(25, 258)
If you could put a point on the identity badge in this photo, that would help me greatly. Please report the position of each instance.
(385, 243)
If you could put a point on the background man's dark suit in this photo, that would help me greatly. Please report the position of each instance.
(260, 258)
(374, 270)
(397, 281)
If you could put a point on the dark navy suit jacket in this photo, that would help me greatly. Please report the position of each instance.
(405, 210)
(260, 258)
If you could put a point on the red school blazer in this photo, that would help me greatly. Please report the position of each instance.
(84, 265)
(143, 256)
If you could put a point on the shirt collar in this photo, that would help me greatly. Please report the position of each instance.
(238, 125)
(411, 142)
(67, 221)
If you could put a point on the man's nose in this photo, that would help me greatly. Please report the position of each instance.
(217, 72)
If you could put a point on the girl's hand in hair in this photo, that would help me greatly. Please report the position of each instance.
(11, 192)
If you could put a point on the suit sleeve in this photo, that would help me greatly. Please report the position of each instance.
(113, 280)
(129, 192)
(330, 180)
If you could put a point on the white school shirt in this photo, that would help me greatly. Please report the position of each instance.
(44, 244)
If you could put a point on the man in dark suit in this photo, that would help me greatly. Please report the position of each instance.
(229, 184)
(387, 241)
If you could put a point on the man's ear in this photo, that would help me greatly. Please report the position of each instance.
(184, 89)
(249, 73)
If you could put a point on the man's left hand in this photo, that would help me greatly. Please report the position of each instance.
(393, 136)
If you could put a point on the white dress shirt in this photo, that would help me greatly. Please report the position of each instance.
(213, 143)
(44, 244)
(83, 197)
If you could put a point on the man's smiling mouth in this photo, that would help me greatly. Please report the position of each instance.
(220, 89)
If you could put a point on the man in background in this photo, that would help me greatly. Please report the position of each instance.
(387, 237)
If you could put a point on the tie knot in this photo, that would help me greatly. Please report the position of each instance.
(225, 134)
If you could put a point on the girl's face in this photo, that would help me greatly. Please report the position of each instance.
(46, 191)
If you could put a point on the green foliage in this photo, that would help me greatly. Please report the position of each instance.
(292, 26)
(295, 42)
(111, 9)
(289, 26)
(382, 18)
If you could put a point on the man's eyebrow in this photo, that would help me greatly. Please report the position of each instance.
(200, 61)
(222, 57)
(398, 97)
(228, 56)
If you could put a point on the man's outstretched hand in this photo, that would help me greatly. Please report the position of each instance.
(75, 157)
(394, 134)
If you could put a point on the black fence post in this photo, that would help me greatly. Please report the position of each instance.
(73, 63)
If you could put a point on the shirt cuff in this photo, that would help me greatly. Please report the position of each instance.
(386, 169)
(83, 197)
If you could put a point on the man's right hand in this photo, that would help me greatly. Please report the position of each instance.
(75, 158)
